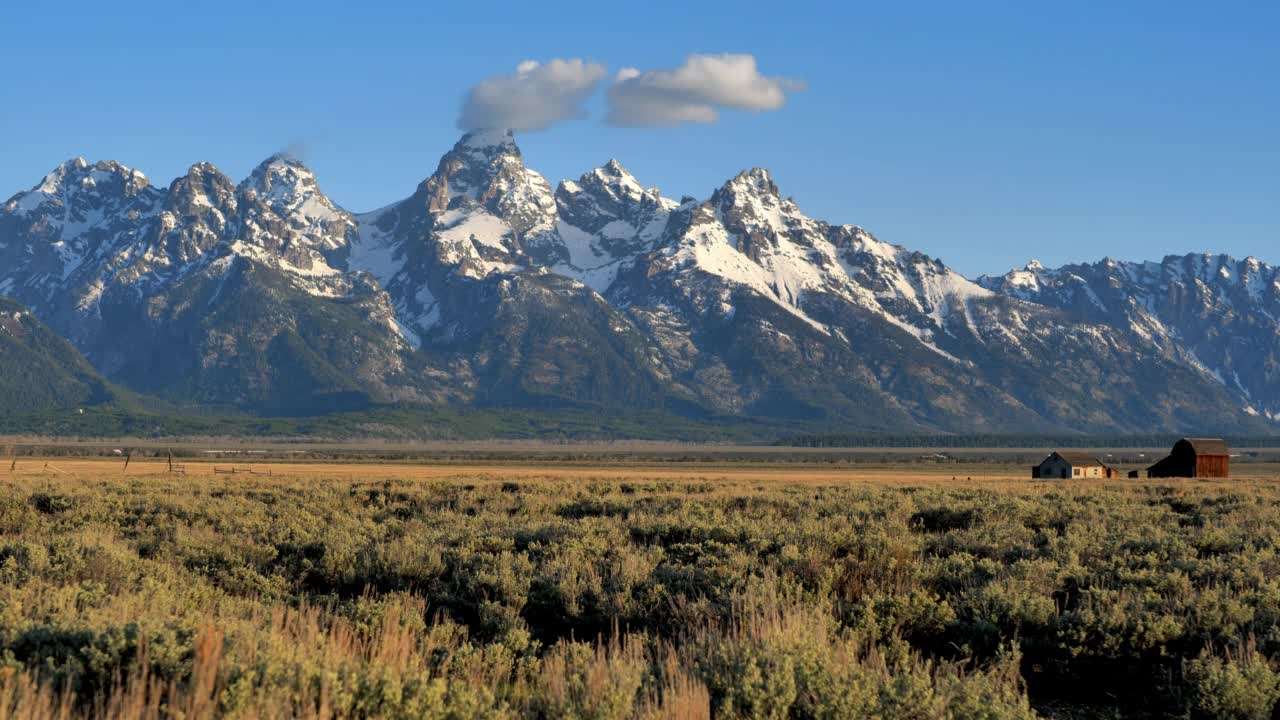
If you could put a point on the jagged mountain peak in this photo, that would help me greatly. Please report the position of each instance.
(203, 169)
(284, 210)
(76, 177)
(607, 220)
(76, 163)
(613, 174)
(479, 156)
(751, 199)
(614, 186)
(68, 224)
(289, 188)
(111, 167)
(203, 186)
(280, 179)
(279, 167)
(751, 207)
(486, 168)
(616, 177)
(58, 177)
(488, 140)
(756, 181)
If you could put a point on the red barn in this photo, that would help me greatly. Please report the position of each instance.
(1194, 458)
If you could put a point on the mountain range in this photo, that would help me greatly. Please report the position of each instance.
(487, 287)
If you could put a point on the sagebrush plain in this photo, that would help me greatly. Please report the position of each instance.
(630, 591)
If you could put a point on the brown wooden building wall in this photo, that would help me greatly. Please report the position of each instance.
(1213, 466)
(1194, 458)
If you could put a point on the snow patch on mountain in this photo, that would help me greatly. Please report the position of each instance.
(587, 263)
(374, 250)
(258, 254)
(475, 227)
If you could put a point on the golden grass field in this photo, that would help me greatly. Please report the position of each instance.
(1005, 475)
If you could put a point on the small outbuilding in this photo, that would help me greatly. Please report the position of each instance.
(1194, 458)
(1072, 464)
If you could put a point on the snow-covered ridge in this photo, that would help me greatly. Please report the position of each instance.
(282, 181)
(486, 264)
(749, 236)
(1218, 314)
(484, 214)
(50, 188)
(1258, 281)
(76, 179)
(487, 213)
(283, 212)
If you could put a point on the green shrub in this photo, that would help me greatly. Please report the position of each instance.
(1242, 686)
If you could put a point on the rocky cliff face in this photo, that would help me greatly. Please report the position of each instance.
(486, 286)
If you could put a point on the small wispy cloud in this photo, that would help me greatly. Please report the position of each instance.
(535, 97)
(695, 92)
(296, 149)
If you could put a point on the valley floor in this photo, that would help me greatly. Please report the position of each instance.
(499, 586)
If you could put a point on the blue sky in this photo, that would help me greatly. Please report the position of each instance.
(982, 133)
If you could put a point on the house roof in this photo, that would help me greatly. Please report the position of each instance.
(1207, 446)
(1078, 458)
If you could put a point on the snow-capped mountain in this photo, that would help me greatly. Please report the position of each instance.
(488, 286)
(607, 220)
(1216, 313)
(205, 292)
(285, 215)
(77, 219)
(774, 312)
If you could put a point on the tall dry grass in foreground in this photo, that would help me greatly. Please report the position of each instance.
(473, 598)
(311, 663)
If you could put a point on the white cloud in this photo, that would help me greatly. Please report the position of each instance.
(536, 97)
(694, 92)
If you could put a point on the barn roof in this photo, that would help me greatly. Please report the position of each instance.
(1079, 458)
(1207, 446)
